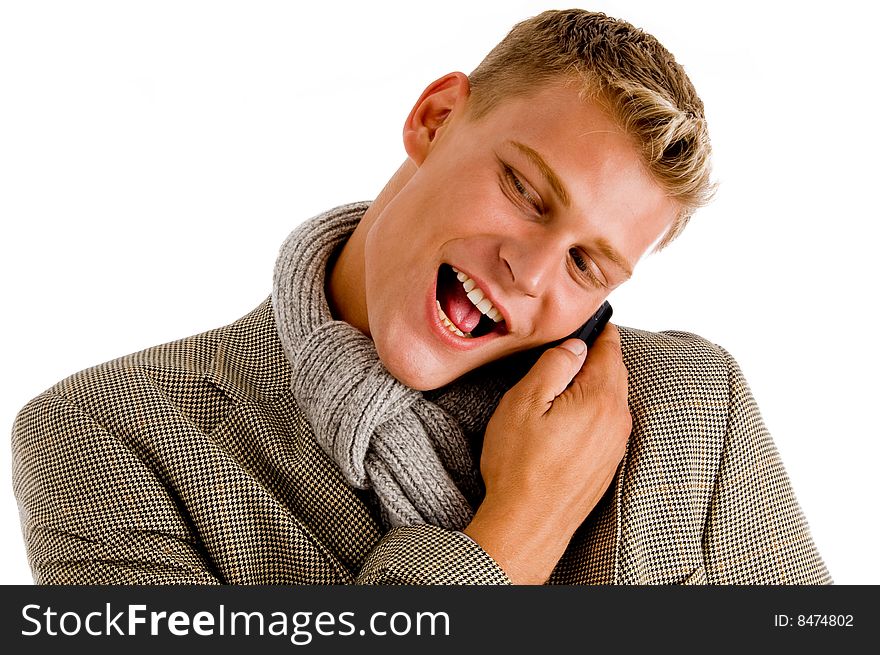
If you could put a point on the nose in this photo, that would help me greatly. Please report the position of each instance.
(533, 263)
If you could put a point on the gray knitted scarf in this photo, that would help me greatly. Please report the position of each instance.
(417, 451)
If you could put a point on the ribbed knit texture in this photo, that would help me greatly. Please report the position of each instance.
(418, 455)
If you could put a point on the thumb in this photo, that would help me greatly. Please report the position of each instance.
(553, 371)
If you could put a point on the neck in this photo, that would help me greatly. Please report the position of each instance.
(346, 286)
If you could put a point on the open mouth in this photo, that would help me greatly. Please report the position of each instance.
(464, 308)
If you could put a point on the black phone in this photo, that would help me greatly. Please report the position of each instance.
(593, 327)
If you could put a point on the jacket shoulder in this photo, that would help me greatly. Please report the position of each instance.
(198, 374)
(675, 366)
(670, 346)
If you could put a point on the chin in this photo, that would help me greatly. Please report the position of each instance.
(420, 382)
(415, 376)
(419, 371)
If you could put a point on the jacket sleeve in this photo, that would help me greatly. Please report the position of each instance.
(755, 530)
(429, 555)
(92, 512)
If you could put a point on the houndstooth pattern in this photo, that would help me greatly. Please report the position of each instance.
(190, 463)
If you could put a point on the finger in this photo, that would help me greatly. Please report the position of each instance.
(553, 371)
(605, 364)
(605, 351)
(608, 338)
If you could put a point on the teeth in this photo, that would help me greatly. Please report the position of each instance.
(478, 297)
(449, 324)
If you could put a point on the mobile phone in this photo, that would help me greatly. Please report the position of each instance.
(593, 327)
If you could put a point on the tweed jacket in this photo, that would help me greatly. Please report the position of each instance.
(190, 463)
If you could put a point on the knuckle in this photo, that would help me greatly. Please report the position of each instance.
(610, 337)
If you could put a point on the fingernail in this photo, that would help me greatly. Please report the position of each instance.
(575, 346)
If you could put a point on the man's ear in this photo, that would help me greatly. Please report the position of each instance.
(431, 112)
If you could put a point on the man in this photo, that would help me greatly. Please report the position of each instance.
(388, 416)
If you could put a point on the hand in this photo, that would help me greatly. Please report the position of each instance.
(550, 451)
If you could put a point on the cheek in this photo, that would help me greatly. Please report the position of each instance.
(566, 313)
(389, 251)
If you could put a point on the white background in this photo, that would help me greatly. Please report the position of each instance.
(153, 156)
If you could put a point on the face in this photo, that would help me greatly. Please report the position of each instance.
(542, 205)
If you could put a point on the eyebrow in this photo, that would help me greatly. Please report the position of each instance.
(559, 189)
(554, 182)
(608, 250)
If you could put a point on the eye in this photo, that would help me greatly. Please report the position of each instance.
(518, 189)
(585, 265)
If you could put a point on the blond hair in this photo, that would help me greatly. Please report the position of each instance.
(630, 73)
